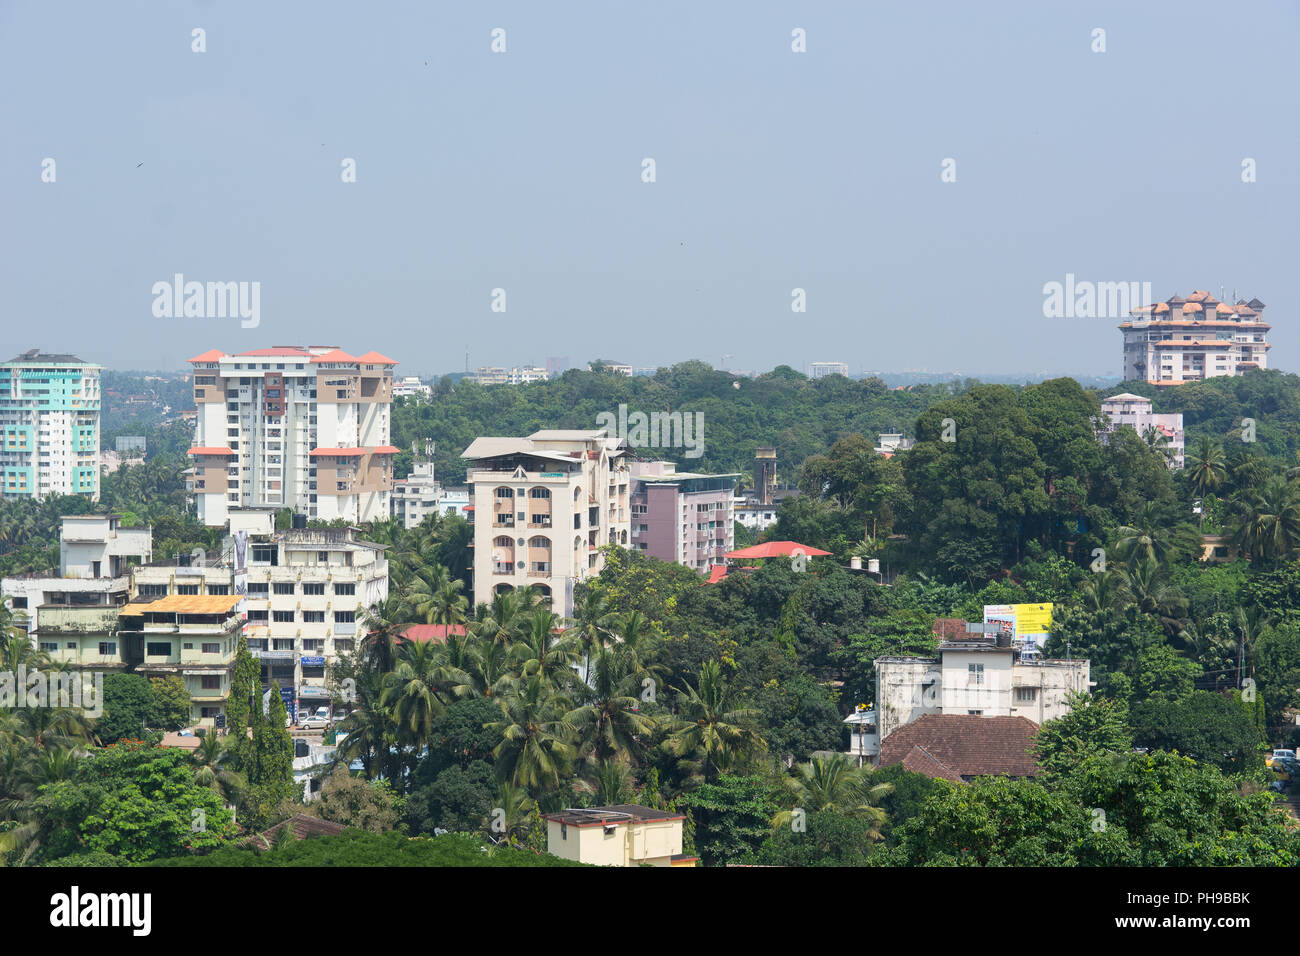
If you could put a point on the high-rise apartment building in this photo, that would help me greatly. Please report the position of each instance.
(293, 427)
(1187, 340)
(49, 426)
(543, 506)
(682, 516)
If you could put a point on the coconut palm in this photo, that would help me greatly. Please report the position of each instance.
(1145, 586)
(834, 782)
(536, 748)
(1207, 469)
(542, 648)
(1268, 521)
(610, 723)
(213, 768)
(714, 730)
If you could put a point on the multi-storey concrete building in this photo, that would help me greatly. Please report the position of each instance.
(416, 496)
(682, 516)
(49, 426)
(412, 387)
(519, 375)
(543, 506)
(1134, 411)
(302, 592)
(293, 427)
(978, 676)
(195, 638)
(1187, 340)
(822, 369)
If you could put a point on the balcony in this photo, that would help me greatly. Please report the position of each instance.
(83, 619)
(503, 567)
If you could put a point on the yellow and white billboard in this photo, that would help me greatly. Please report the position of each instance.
(1028, 623)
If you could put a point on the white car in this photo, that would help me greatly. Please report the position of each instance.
(314, 722)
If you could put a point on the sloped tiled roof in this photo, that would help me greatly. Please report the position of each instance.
(211, 355)
(374, 358)
(964, 745)
(338, 355)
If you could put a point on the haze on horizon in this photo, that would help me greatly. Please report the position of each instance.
(522, 170)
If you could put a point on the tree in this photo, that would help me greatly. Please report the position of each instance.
(835, 783)
(733, 817)
(1092, 725)
(714, 730)
(353, 802)
(1211, 728)
(128, 703)
(171, 702)
(1207, 470)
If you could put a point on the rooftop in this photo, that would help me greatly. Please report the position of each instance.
(957, 746)
(618, 813)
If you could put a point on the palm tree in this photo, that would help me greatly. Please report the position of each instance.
(1144, 585)
(834, 782)
(610, 723)
(542, 648)
(383, 624)
(1249, 625)
(1101, 591)
(213, 769)
(1149, 537)
(536, 747)
(1207, 469)
(1268, 521)
(714, 730)
(411, 693)
(590, 626)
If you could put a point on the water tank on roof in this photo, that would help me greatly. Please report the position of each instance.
(299, 521)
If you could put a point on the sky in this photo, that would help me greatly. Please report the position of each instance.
(523, 171)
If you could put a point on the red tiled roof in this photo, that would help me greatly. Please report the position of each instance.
(716, 573)
(374, 358)
(776, 549)
(385, 450)
(919, 760)
(432, 632)
(210, 450)
(966, 745)
(211, 355)
(338, 355)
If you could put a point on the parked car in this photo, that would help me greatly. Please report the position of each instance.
(314, 722)
(1281, 758)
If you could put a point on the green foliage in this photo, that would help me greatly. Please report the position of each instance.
(1094, 725)
(361, 848)
(171, 702)
(129, 702)
(1213, 728)
(353, 802)
(732, 817)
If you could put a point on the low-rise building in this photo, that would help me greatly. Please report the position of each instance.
(411, 387)
(1134, 411)
(961, 747)
(822, 369)
(976, 676)
(621, 835)
(416, 496)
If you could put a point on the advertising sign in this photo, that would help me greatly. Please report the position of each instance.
(1028, 624)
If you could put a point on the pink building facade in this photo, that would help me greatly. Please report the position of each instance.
(684, 517)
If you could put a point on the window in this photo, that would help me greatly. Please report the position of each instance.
(210, 683)
(258, 589)
(49, 647)
(187, 589)
(344, 617)
(153, 590)
(313, 617)
(975, 713)
(218, 588)
(282, 617)
(158, 649)
(1026, 695)
(283, 588)
(313, 589)
(257, 617)
(107, 648)
(345, 589)
(343, 645)
(210, 647)
(974, 674)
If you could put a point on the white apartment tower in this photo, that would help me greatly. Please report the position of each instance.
(543, 506)
(1187, 340)
(301, 427)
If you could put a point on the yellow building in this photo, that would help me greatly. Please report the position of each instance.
(622, 835)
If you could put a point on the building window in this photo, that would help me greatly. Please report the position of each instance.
(257, 617)
(1026, 695)
(313, 617)
(283, 588)
(317, 589)
(258, 589)
(282, 617)
(210, 683)
(350, 589)
(344, 617)
(158, 649)
(187, 589)
(210, 647)
(218, 588)
(153, 590)
(974, 674)
(107, 648)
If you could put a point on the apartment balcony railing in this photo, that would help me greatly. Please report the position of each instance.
(503, 567)
(539, 521)
(503, 521)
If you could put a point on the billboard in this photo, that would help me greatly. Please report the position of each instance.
(1027, 623)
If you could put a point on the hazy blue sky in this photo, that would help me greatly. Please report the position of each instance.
(522, 170)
